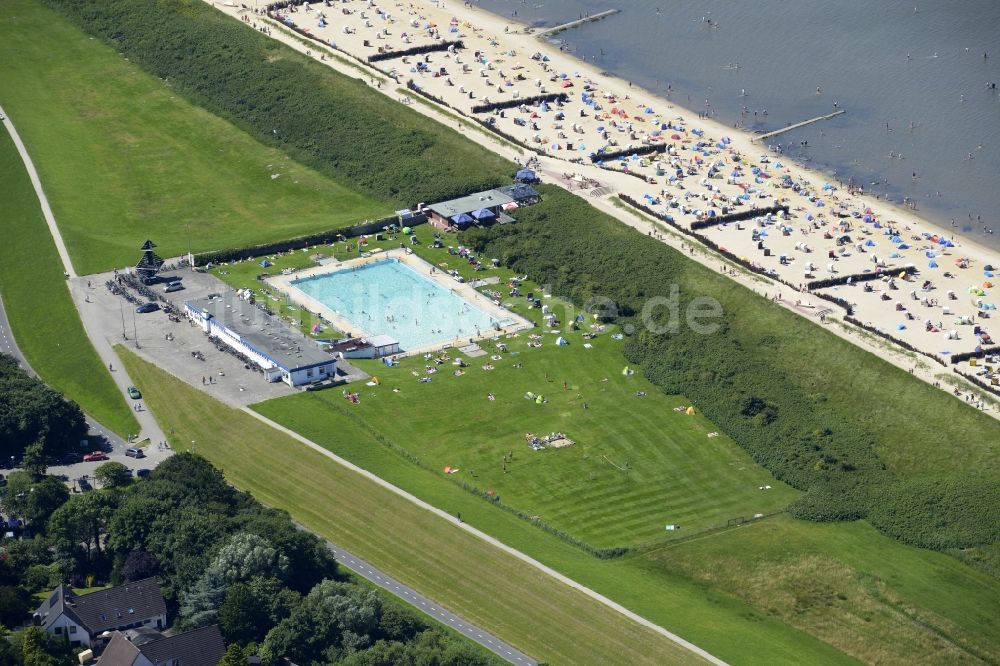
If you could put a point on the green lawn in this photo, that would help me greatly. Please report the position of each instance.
(622, 481)
(545, 618)
(44, 320)
(123, 158)
(790, 569)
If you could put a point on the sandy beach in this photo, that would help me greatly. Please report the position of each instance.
(701, 169)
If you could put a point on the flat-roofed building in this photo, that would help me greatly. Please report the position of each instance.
(281, 352)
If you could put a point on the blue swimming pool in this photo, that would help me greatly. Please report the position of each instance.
(389, 298)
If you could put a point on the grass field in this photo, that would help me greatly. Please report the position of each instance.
(895, 590)
(123, 158)
(546, 619)
(44, 320)
(622, 481)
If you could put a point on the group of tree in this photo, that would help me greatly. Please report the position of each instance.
(761, 375)
(220, 558)
(34, 417)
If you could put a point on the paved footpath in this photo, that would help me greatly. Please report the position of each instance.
(445, 617)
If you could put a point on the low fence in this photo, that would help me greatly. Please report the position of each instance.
(416, 50)
(641, 150)
(737, 217)
(859, 277)
(527, 101)
(977, 382)
(965, 356)
(901, 343)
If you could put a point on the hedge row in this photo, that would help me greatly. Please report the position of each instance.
(859, 277)
(737, 217)
(521, 101)
(641, 150)
(416, 50)
(320, 117)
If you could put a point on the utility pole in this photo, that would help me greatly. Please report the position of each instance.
(135, 331)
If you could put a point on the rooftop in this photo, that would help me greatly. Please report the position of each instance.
(470, 203)
(268, 335)
(106, 609)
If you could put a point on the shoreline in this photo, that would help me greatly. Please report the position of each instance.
(544, 41)
(501, 65)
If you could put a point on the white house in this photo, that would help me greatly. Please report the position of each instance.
(282, 353)
(83, 618)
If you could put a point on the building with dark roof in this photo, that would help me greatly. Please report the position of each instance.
(83, 618)
(199, 647)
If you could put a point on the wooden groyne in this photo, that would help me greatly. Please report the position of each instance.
(789, 128)
(573, 24)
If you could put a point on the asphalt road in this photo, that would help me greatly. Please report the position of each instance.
(422, 603)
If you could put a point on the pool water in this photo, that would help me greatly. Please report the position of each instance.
(387, 297)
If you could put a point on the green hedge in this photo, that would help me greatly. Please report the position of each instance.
(792, 417)
(322, 118)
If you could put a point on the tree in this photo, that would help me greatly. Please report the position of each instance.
(33, 461)
(39, 648)
(83, 520)
(140, 564)
(235, 656)
(333, 619)
(113, 475)
(243, 618)
(33, 500)
(15, 604)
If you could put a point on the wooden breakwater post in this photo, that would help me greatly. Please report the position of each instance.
(572, 24)
(789, 128)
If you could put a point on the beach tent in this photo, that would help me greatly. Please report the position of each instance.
(690, 411)
(932, 264)
(561, 341)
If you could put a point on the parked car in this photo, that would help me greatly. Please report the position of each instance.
(95, 456)
(71, 458)
(142, 473)
(147, 307)
(174, 285)
(133, 393)
(133, 452)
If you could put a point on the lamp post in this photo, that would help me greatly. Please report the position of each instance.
(135, 331)
(122, 311)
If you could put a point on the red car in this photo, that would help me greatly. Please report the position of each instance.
(95, 456)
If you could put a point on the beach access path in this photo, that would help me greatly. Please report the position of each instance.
(604, 184)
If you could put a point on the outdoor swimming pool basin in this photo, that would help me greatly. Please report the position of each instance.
(400, 296)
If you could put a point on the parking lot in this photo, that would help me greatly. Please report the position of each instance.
(179, 347)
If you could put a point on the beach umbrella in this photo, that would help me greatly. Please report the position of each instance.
(462, 218)
(483, 214)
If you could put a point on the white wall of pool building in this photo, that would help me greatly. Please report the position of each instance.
(280, 352)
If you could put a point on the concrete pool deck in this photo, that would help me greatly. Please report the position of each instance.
(283, 283)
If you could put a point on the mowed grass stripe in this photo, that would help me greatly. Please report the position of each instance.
(524, 606)
(124, 158)
(44, 320)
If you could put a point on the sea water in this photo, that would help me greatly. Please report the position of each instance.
(911, 76)
(387, 297)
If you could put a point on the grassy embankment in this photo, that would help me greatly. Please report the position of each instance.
(123, 157)
(44, 321)
(541, 616)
